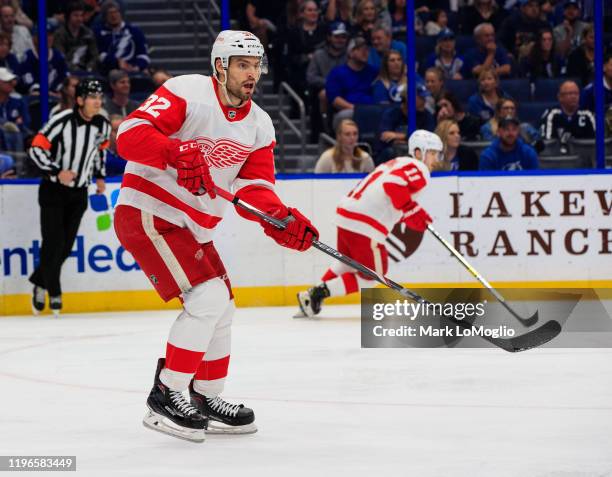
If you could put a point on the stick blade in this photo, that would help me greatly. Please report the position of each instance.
(531, 339)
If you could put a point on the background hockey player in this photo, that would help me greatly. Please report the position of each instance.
(369, 212)
(192, 133)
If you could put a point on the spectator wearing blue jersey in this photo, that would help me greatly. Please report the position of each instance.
(487, 53)
(351, 83)
(482, 104)
(382, 43)
(121, 45)
(587, 97)
(14, 116)
(30, 68)
(508, 152)
(445, 56)
(392, 75)
(7, 59)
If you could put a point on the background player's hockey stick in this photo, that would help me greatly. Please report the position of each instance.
(526, 341)
(525, 321)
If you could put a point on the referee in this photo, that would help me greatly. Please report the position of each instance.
(69, 149)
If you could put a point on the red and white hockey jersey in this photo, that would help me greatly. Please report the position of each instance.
(237, 142)
(383, 198)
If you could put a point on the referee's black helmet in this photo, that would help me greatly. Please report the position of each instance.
(88, 86)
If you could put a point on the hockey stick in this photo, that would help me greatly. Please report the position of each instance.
(531, 339)
(525, 321)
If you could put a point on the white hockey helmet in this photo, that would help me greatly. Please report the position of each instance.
(425, 141)
(237, 43)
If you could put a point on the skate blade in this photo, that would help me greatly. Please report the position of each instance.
(303, 299)
(56, 313)
(216, 427)
(158, 423)
(35, 311)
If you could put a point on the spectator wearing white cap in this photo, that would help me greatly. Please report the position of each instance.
(14, 116)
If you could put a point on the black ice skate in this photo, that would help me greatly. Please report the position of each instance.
(171, 413)
(310, 301)
(55, 304)
(38, 299)
(223, 417)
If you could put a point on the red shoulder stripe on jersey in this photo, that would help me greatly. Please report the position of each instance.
(182, 360)
(259, 164)
(362, 218)
(214, 369)
(140, 184)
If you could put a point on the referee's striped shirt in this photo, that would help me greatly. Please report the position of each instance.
(68, 142)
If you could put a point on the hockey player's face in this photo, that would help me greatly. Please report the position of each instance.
(243, 74)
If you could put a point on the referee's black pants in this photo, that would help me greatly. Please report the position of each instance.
(61, 210)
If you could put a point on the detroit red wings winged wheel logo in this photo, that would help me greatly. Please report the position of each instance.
(224, 152)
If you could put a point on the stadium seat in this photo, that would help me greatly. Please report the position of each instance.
(560, 162)
(586, 150)
(476, 146)
(367, 117)
(463, 43)
(518, 89)
(545, 89)
(462, 89)
(424, 46)
(532, 112)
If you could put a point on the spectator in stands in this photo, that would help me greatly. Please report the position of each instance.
(581, 61)
(20, 16)
(339, 11)
(20, 35)
(587, 98)
(159, 77)
(437, 24)
(434, 82)
(119, 101)
(449, 107)
(382, 43)
(302, 41)
(75, 41)
(7, 167)
(457, 157)
(482, 11)
(424, 118)
(568, 33)
(365, 19)
(121, 44)
(521, 27)
(392, 75)
(567, 120)
(486, 53)
(504, 108)
(322, 62)
(482, 104)
(445, 57)
(392, 130)
(30, 68)
(67, 95)
(542, 61)
(350, 84)
(345, 156)
(115, 164)
(508, 152)
(262, 17)
(397, 9)
(14, 116)
(7, 59)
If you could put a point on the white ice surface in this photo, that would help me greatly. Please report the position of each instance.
(324, 407)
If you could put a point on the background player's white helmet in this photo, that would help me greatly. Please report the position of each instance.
(237, 43)
(425, 141)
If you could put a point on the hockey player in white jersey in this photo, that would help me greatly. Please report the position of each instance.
(367, 214)
(193, 133)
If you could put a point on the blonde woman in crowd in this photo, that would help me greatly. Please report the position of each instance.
(457, 157)
(345, 156)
